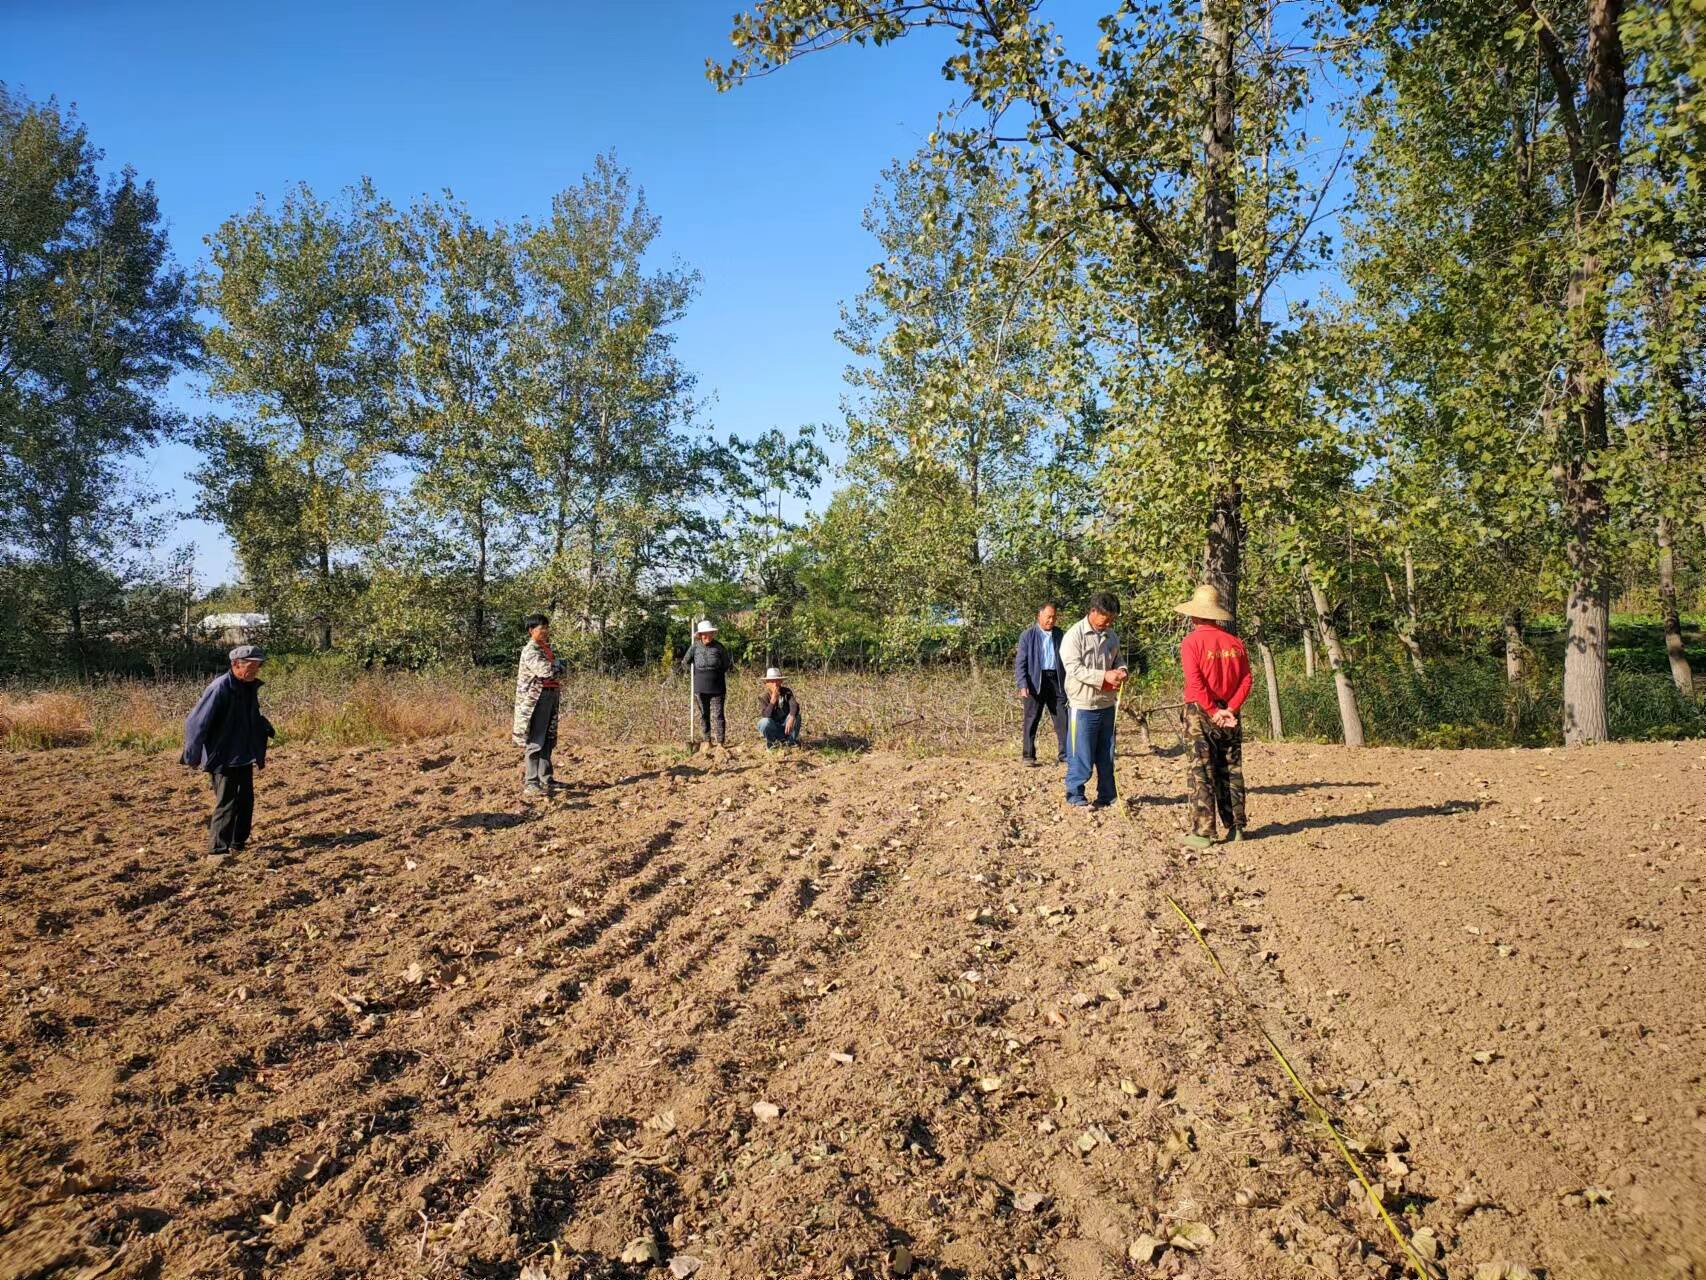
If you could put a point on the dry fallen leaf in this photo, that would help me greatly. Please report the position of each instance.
(1029, 1201)
(845, 1059)
(1189, 1237)
(989, 1084)
(663, 1122)
(683, 1265)
(766, 1110)
(1144, 1249)
(642, 1249)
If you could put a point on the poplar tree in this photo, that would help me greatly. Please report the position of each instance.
(303, 355)
(1173, 163)
(94, 320)
(459, 316)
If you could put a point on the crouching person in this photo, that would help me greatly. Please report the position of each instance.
(1217, 681)
(537, 690)
(778, 711)
(226, 736)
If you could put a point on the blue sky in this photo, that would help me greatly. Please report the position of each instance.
(507, 103)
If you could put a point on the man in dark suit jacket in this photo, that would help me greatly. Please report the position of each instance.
(1036, 672)
(226, 737)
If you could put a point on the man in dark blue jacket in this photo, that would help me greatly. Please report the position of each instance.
(226, 735)
(1036, 672)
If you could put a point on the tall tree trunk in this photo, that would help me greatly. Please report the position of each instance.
(1515, 651)
(325, 572)
(1308, 627)
(1410, 609)
(1276, 725)
(1595, 141)
(477, 638)
(77, 646)
(1680, 671)
(1403, 624)
(1220, 21)
(559, 538)
(1349, 716)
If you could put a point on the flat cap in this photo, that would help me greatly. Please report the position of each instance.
(248, 653)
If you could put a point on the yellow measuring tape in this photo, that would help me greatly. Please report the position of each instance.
(1410, 1255)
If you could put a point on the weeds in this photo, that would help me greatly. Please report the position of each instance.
(42, 720)
(1455, 702)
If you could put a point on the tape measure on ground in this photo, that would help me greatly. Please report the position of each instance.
(1303, 1090)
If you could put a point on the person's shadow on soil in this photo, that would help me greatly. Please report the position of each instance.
(342, 840)
(1367, 818)
(1292, 788)
(840, 742)
(485, 821)
(673, 771)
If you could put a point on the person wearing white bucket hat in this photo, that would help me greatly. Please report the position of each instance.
(710, 664)
(1217, 681)
(778, 712)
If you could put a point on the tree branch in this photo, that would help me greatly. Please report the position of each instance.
(1565, 83)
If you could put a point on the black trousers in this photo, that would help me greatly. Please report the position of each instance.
(711, 717)
(541, 740)
(233, 808)
(1048, 698)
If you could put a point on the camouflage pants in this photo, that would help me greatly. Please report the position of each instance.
(1215, 764)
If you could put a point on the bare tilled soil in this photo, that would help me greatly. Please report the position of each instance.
(844, 1016)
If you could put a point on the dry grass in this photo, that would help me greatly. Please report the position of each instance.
(939, 709)
(399, 708)
(926, 711)
(42, 720)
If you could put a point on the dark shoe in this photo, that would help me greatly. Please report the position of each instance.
(1030, 762)
(533, 789)
(1234, 836)
(1078, 804)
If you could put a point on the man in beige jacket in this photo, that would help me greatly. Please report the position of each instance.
(1090, 656)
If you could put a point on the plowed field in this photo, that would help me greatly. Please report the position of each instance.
(830, 1015)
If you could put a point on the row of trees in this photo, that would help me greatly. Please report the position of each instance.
(1082, 358)
(1504, 411)
(418, 405)
(423, 426)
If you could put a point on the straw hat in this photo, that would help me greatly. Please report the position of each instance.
(773, 673)
(705, 628)
(1204, 603)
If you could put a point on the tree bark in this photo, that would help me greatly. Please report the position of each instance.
(1222, 546)
(1412, 639)
(325, 629)
(1402, 623)
(1514, 648)
(1276, 726)
(1307, 626)
(1349, 717)
(1680, 671)
(1595, 145)
(476, 640)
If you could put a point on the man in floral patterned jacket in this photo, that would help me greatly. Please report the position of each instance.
(534, 726)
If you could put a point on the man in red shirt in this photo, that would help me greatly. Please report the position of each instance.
(1217, 680)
